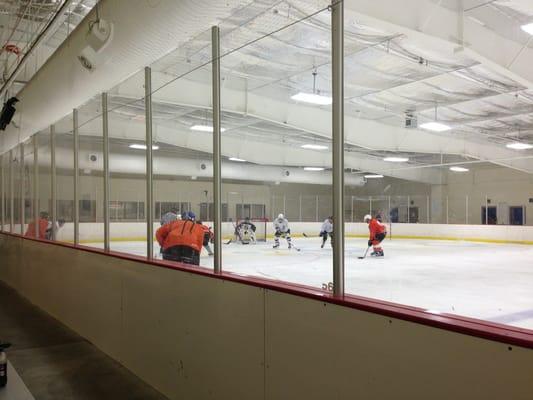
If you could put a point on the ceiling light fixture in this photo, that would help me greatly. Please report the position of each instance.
(142, 146)
(519, 146)
(528, 28)
(315, 97)
(204, 128)
(396, 159)
(435, 127)
(374, 176)
(314, 169)
(314, 147)
(459, 169)
(236, 159)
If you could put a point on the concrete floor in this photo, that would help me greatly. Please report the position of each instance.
(57, 364)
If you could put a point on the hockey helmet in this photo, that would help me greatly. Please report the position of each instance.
(367, 218)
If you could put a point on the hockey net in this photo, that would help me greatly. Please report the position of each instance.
(261, 228)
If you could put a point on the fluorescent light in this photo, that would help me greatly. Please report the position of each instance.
(314, 147)
(204, 128)
(519, 146)
(313, 98)
(435, 127)
(396, 159)
(459, 169)
(528, 28)
(373, 176)
(314, 169)
(142, 146)
(236, 159)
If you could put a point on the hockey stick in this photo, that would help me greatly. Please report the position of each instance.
(364, 256)
(304, 235)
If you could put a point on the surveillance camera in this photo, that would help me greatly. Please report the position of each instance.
(203, 166)
(286, 172)
(93, 157)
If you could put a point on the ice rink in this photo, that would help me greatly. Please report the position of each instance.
(481, 280)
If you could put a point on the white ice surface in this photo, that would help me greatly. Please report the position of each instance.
(487, 281)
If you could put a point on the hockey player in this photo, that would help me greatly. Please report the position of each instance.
(53, 228)
(170, 216)
(42, 226)
(281, 227)
(245, 231)
(327, 230)
(181, 240)
(208, 237)
(378, 232)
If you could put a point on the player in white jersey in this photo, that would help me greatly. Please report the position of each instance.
(281, 227)
(327, 230)
(245, 231)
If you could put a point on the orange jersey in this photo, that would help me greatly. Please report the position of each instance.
(375, 227)
(43, 225)
(181, 233)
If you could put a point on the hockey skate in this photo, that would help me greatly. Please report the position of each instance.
(322, 245)
(275, 246)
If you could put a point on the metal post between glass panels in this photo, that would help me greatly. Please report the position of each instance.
(105, 134)
(11, 190)
(447, 210)
(337, 67)
(427, 210)
(486, 210)
(76, 150)
(217, 176)
(2, 193)
(300, 209)
(466, 214)
(408, 209)
(22, 191)
(53, 189)
(36, 184)
(149, 164)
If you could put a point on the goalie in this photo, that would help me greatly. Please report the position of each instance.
(245, 232)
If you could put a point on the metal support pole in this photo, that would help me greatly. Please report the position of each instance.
(2, 194)
(408, 209)
(337, 67)
(22, 190)
(36, 184)
(76, 150)
(284, 205)
(486, 210)
(53, 180)
(427, 210)
(466, 215)
(447, 211)
(316, 209)
(11, 190)
(105, 134)
(352, 209)
(390, 222)
(300, 213)
(149, 164)
(217, 157)
(370, 204)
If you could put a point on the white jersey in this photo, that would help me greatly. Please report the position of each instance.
(281, 225)
(327, 226)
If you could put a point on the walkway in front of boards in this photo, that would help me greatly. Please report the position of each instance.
(479, 280)
(57, 364)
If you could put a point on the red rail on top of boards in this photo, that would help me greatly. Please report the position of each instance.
(464, 325)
